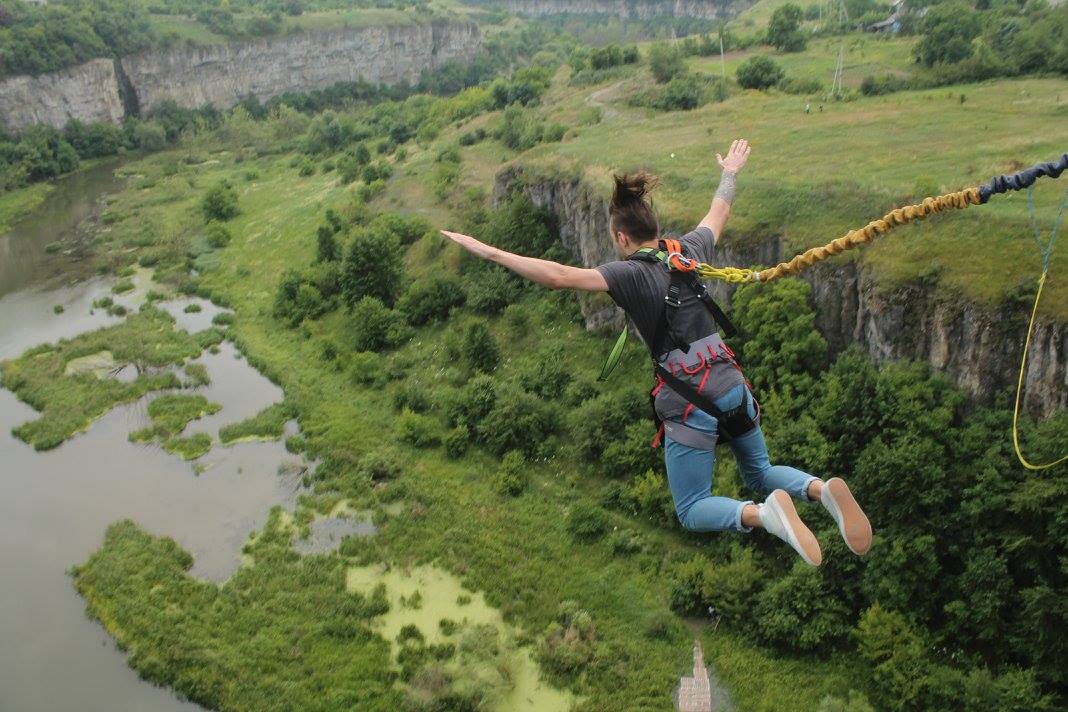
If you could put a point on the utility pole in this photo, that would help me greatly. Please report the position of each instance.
(722, 61)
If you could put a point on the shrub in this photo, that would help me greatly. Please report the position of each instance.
(371, 321)
(416, 429)
(456, 442)
(883, 84)
(759, 73)
(473, 403)
(220, 202)
(217, 235)
(799, 85)
(511, 477)
(379, 465)
(665, 62)
(586, 521)
(682, 93)
(491, 292)
(796, 614)
(518, 421)
(431, 298)
(372, 268)
(326, 247)
(480, 351)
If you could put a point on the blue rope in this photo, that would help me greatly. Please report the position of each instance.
(1047, 248)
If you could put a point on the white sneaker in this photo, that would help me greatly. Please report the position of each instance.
(851, 520)
(779, 517)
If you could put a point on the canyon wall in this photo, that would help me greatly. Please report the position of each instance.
(979, 348)
(225, 74)
(87, 92)
(625, 9)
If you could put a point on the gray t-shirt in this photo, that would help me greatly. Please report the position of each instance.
(639, 288)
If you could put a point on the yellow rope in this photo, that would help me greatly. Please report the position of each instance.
(853, 238)
(1019, 388)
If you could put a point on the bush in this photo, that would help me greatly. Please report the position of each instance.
(586, 521)
(220, 202)
(406, 229)
(682, 93)
(798, 85)
(456, 442)
(416, 429)
(796, 614)
(480, 351)
(491, 292)
(217, 235)
(431, 299)
(380, 465)
(759, 73)
(517, 421)
(372, 268)
(371, 325)
(883, 84)
(665, 62)
(511, 477)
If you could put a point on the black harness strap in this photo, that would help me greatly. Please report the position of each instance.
(732, 423)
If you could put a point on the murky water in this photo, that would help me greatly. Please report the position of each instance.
(24, 257)
(57, 504)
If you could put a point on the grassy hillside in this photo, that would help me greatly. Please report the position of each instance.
(814, 176)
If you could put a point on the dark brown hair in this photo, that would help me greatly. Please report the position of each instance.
(632, 210)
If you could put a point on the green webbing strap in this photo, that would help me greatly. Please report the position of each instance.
(613, 358)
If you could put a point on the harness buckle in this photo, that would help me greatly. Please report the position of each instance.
(672, 301)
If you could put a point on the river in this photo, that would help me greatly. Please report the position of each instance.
(57, 504)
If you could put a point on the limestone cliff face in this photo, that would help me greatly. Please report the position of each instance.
(977, 347)
(87, 92)
(223, 75)
(628, 9)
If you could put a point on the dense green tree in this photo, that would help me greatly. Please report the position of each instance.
(373, 268)
(948, 30)
(784, 28)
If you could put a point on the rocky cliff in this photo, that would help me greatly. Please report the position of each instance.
(87, 92)
(626, 9)
(225, 74)
(979, 348)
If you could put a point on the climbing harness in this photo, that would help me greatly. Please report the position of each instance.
(1047, 251)
(686, 344)
(688, 274)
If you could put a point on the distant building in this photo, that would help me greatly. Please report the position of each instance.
(695, 693)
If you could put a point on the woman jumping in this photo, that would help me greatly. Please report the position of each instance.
(700, 395)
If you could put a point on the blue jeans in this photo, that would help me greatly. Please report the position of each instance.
(689, 471)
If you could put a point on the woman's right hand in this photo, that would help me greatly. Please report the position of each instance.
(472, 245)
(736, 156)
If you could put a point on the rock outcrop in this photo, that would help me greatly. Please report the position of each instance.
(627, 9)
(225, 74)
(87, 92)
(979, 348)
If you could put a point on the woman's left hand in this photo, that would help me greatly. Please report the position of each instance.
(479, 249)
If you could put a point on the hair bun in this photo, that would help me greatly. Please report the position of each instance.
(632, 188)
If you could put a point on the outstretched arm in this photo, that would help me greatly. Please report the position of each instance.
(720, 210)
(549, 274)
